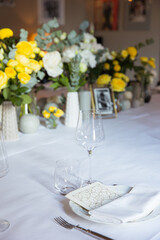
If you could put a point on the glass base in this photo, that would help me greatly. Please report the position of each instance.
(4, 224)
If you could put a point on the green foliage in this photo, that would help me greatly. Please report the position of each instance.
(23, 35)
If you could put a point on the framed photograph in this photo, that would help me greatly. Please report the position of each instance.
(104, 101)
(106, 15)
(48, 9)
(137, 15)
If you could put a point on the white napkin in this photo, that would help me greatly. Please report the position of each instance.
(138, 203)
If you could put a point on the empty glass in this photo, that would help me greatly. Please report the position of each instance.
(4, 224)
(67, 176)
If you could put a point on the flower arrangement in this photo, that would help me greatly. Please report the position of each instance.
(20, 65)
(51, 116)
(70, 57)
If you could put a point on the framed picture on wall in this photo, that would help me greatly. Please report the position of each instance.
(137, 15)
(48, 9)
(104, 102)
(106, 15)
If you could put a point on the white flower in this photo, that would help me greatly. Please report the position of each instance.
(106, 55)
(88, 58)
(53, 63)
(89, 38)
(69, 53)
(83, 67)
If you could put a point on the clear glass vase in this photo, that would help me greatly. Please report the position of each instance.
(51, 123)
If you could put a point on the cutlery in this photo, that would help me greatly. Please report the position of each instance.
(60, 221)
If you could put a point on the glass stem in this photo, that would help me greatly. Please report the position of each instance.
(90, 166)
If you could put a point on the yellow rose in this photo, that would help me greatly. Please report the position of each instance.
(152, 63)
(144, 59)
(34, 65)
(3, 79)
(19, 68)
(117, 68)
(33, 44)
(115, 62)
(22, 59)
(113, 54)
(46, 114)
(126, 78)
(58, 113)
(41, 63)
(132, 51)
(124, 53)
(24, 78)
(32, 55)
(12, 63)
(118, 85)
(24, 48)
(28, 70)
(42, 54)
(107, 66)
(10, 72)
(52, 108)
(5, 33)
(103, 79)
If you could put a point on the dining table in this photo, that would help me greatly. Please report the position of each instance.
(129, 155)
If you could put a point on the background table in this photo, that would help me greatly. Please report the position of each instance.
(129, 156)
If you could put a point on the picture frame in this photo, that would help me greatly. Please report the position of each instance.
(104, 101)
(137, 15)
(48, 9)
(106, 15)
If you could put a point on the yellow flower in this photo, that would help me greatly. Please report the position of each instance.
(42, 54)
(34, 65)
(3, 79)
(103, 79)
(144, 59)
(122, 76)
(33, 44)
(132, 51)
(32, 55)
(46, 114)
(41, 63)
(28, 70)
(118, 85)
(114, 54)
(107, 66)
(19, 68)
(117, 68)
(5, 33)
(58, 113)
(52, 108)
(10, 72)
(152, 63)
(22, 59)
(24, 48)
(124, 53)
(115, 62)
(24, 78)
(12, 63)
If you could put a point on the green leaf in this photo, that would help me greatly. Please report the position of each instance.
(13, 87)
(58, 33)
(41, 75)
(83, 26)
(46, 28)
(23, 35)
(26, 99)
(41, 32)
(53, 23)
(16, 100)
(55, 85)
(6, 93)
(12, 53)
(33, 81)
(71, 35)
(22, 89)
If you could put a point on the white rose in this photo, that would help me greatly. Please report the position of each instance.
(53, 64)
(89, 38)
(69, 53)
(88, 58)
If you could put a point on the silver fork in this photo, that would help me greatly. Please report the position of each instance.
(69, 226)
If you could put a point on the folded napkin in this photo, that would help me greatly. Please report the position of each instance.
(138, 203)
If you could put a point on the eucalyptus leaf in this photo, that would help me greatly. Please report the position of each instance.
(23, 35)
(33, 81)
(40, 75)
(71, 35)
(46, 28)
(83, 26)
(12, 53)
(41, 32)
(53, 23)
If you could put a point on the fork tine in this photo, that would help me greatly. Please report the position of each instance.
(67, 223)
(63, 223)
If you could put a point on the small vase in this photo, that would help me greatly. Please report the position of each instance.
(9, 121)
(72, 109)
(51, 123)
(29, 123)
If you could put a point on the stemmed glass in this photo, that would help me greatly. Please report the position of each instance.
(4, 224)
(89, 134)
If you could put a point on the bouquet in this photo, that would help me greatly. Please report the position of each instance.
(70, 57)
(51, 116)
(20, 65)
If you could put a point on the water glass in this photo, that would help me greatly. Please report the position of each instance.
(67, 176)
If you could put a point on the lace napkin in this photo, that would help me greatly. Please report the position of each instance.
(136, 204)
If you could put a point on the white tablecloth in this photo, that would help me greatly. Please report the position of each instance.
(130, 155)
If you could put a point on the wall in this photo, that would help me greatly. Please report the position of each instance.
(25, 15)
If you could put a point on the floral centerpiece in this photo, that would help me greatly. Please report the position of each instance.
(69, 59)
(51, 116)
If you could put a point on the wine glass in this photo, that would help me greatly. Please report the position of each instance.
(4, 224)
(89, 134)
